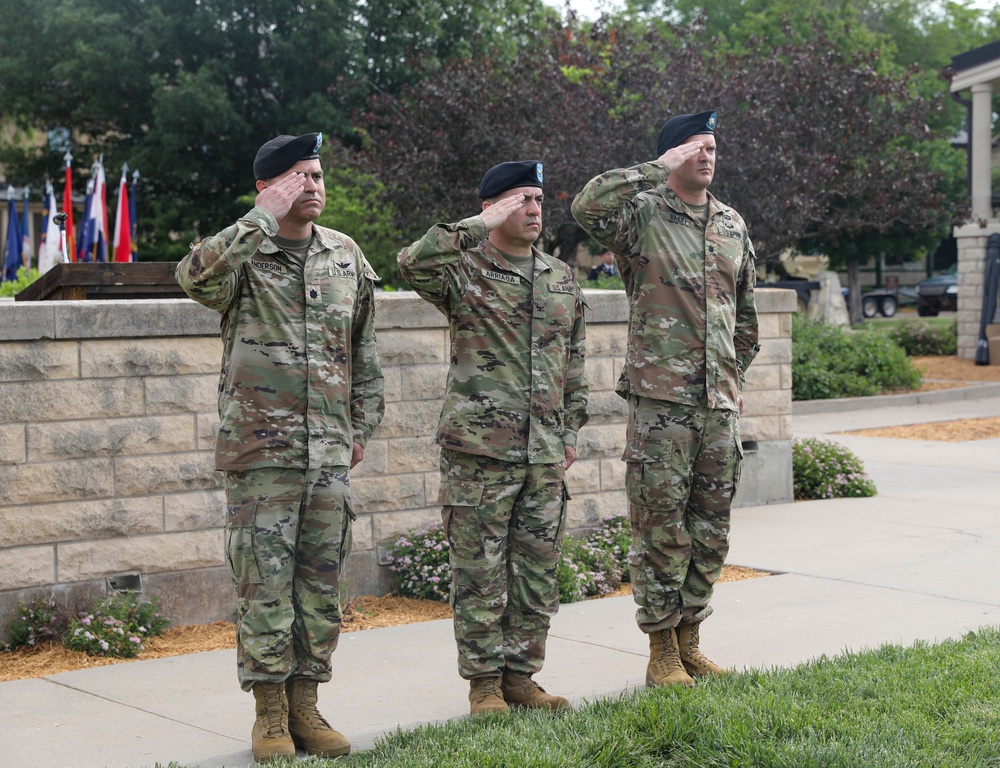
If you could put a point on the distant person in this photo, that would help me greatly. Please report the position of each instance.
(688, 268)
(300, 394)
(516, 398)
(605, 267)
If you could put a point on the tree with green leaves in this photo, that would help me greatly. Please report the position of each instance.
(187, 90)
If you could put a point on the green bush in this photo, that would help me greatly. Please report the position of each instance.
(829, 362)
(42, 619)
(25, 277)
(918, 337)
(825, 470)
(116, 625)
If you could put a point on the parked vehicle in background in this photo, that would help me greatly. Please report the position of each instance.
(938, 293)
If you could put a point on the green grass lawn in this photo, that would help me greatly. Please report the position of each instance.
(929, 705)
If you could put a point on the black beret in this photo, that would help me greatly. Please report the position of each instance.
(500, 178)
(282, 152)
(677, 129)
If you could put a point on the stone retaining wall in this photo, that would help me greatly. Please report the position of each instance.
(108, 419)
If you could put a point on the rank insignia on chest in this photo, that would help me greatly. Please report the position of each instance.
(502, 277)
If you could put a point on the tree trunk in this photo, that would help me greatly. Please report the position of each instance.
(854, 293)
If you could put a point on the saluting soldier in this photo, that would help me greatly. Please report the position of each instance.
(300, 394)
(516, 398)
(688, 266)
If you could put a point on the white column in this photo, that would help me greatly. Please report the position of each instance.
(980, 141)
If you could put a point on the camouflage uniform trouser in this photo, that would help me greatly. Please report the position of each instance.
(505, 524)
(288, 535)
(683, 470)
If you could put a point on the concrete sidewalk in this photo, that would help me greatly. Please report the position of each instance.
(916, 562)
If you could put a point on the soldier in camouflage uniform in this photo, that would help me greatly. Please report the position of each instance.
(300, 394)
(688, 267)
(516, 398)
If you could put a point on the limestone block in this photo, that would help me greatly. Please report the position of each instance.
(56, 481)
(602, 373)
(27, 320)
(764, 428)
(389, 525)
(769, 326)
(144, 554)
(27, 567)
(13, 449)
(381, 494)
(78, 520)
(39, 361)
(762, 378)
(604, 440)
(182, 394)
(393, 383)
(169, 473)
(606, 408)
(605, 306)
(207, 430)
(773, 351)
(412, 347)
(606, 340)
(404, 309)
(612, 474)
(54, 441)
(424, 382)
(133, 318)
(417, 454)
(768, 402)
(362, 534)
(65, 400)
(194, 511)
(589, 510)
(432, 486)
(584, 477)
(409, 419)
(102, 358)
(376, 460)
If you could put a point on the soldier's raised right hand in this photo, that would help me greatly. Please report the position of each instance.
(495, 214)
(277, 198)
(675, 157)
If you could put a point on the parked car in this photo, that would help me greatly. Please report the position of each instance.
(938, 293)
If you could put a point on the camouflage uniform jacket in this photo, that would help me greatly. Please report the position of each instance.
(516, 387)
(300, 377)
(692, 316)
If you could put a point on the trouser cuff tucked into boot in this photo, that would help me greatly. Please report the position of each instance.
(309, 729)
(665, 666)
(521, 691)
(485, 695)
(270, 738)
(696, 663)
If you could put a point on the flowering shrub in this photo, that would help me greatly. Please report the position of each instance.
(918, 337)
(115, 626)
(825, 470)
(418, 562)
(596, 564)
(40, 620)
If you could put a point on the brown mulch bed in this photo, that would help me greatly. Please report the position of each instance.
(364, 612)
(945, 373)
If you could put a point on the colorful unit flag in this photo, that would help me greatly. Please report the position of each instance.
(12, 249)
(132, 218)
(26, 249)
(123, 226)
(50, 247)
(94, 245)
(68, 208)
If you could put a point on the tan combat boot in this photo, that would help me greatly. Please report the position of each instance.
(696, 663)
(308, 727)
(665, 666)
(270, 738)
(521, 691)
(485, 696)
